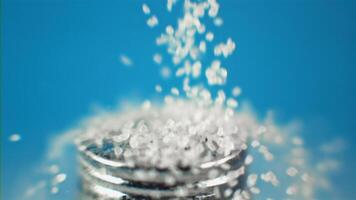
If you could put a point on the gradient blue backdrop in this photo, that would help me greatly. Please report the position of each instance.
(59, 57)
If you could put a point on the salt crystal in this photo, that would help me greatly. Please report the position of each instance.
(209, 36)
(158, 88)
(292, 190)
(236, 91)
(248, 160)
(232, 103)
(157, 58)
(165, 72)
(251, 180)
(125, 60)
(15, 138)
(218, 21)
(146, 10)
(292, 171)
(59, 178)
(175, 91)
(152, 21)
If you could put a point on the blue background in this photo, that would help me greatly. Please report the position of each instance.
(61, 57)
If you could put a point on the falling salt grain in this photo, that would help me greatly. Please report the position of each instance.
(157, 58)
(125, 60)
(175, 91)
(232, 103)
(255, 143)
(292, 171)
(209, 36)
(53, 169)
(152, 21)
(165, 72)
(60, 178)
(170, 4)
(248, 160)
(15, 138)
(251, 180)
(255, 190)
(292, 190)
(158, 88)
(218, 21)
(236, 91)
(146, 105)
(146, 10)
(54, 190)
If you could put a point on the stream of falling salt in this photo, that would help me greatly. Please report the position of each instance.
(205, 123)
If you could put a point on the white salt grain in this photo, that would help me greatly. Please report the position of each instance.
(209, 36)
(146, 10)
(218, 21)
(158, 88)
(236, 91)
(292, 171)
(165, 72)
(152, 21)
(125, 60)
(15, 138)
(157, 58)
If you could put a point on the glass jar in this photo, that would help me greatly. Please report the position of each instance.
(103, 178)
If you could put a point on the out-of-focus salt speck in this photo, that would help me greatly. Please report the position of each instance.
(232, 103)
(236, 91)
(35, 188)
(157, 58)
(152, 21)
(214, 8)
(170, 4)
(175, 91)
(15, 137)
(248, 159)
(305, 177)
(165, 72)
(209, 36)
(196, 69)
(328, 165)
(146, 10)
(255, 190)
(146, 105)
(59, 178)
(54, 190)
(255, 143)
(334, 146)
(125, 60)
(251, 180)
(270, 177)
(292, 171)
(216, 74)
(53, 169)
(202, 46)
(225, 49)
(158, 88)
(265, 152)
(261, 129)
(218, 21)
(292, 190)
(169, 30)
(297, 141)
